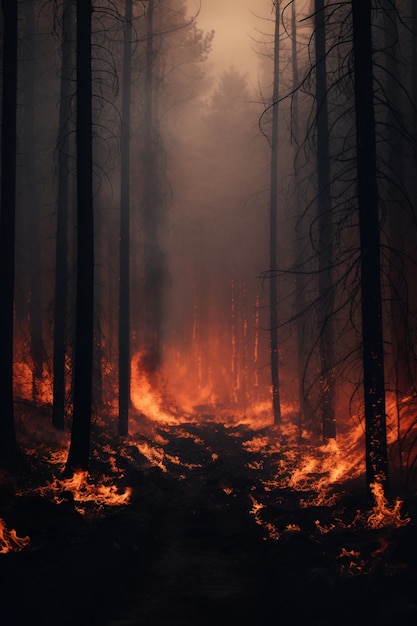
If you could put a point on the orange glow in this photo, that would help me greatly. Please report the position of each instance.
(382, 514)
(311, 468)
(147, 398)
(101, 493)
(9, 541)
(23, 383)
(154, 454)
(271, 530)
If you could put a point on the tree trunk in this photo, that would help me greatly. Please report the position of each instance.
(324, 205)
(399, 376)
(8, 443)
(152, 212)
(61, 251)
(32, 222)
(124, 282)
(305, 410)
(79, 452)
(273, 262)
(372, 337)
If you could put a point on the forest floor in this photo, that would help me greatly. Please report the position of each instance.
(206, 538)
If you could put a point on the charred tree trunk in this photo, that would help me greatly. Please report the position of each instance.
(399, 377)
(8, 442)
(63, 200)
(414, 74)
(305, 411)
(325, 253)
(372, 336)
(124, 244)
(79, 452)
(33, 235)
(273, 262)
(154, 273)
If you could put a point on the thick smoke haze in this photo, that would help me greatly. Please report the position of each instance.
(199, 179)
(235, 24)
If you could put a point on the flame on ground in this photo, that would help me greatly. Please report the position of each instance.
(383, 514)
(271, 530)
(9, 541)
(101, 494)
(154, 454)
(309, 468)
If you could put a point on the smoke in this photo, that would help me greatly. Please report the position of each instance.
(235, 23)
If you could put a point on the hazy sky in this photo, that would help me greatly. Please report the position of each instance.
(234, 22)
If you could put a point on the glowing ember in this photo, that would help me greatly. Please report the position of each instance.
(272, 531)
(382, 514)
(324, 529)
(9, 541)
(101, 493)
(352, 564)
(292, 528)
(154, 454)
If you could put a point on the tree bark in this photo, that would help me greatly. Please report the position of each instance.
(63, 201)
(8, 442)
(79, 452)
(324, 205)
(273, 262)
(372, 336)
(124, 246)
(32, 221)
(305, 409)
(154, 273)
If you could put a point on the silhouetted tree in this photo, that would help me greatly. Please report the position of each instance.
(62, 212)
(305, 410)
(153, 205)
(325, 247)
(124, 244)
(273, 261)
(368, 206)
(32, 221)
(8, 443)
(79, 452)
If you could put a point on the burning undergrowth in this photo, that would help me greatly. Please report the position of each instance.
(250, 510)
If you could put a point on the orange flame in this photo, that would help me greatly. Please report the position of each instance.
(382, 514)
(147, 398)
(9, 541)
(101, 493)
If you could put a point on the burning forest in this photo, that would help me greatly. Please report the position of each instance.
(208, 374)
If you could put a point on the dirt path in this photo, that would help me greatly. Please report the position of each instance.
(188, 552)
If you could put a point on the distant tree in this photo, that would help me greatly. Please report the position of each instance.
(369, 225)
(124, 244)
(399, 370)
(152, 205)
(79, 452)
(63, 202)
(273, 261)
(32, 220)
(325, 247)
(8, 443)
(305, 409)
